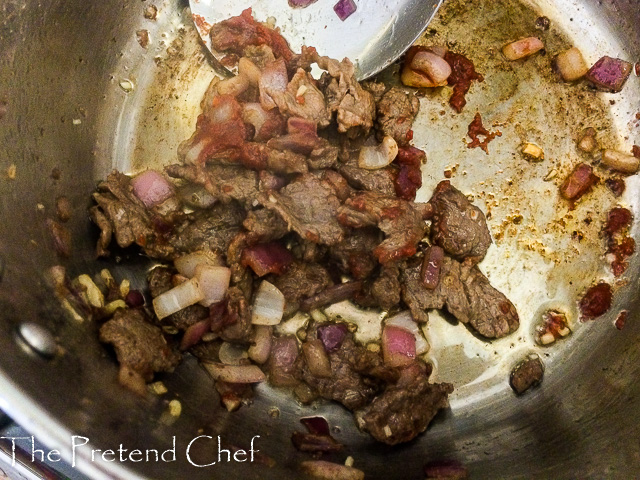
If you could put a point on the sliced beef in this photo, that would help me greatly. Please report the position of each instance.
(459, 227)
(380, 180)
(354, 254)
(310, 207)
(406, 408)
(384, 291)
(211, 229)
(264, 225)
(139, 345)
(396, 111)
(528, 373)
(398, 219)
(223, 182)
(302, 280)
(106, 230)
(286, 161)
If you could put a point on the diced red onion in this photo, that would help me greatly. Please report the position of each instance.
(233, 86)
(134, 299)
(259, 351)
(194, 333)
(316, 358)
(322, 470)
(187, 264)
(344, 9)
(331, 295)
(179, 297)
(620, 162)
(232, 354)
(332, 335)
(398, 346)
(152, 188)
(249, 70)
(313, 443)
(268, 305)
(579, 181)
(406, 321)
(609, 74)
(571, 65)
(431, 264)
(316, 425)
(265, 258)
(235, 373)
(214, 283)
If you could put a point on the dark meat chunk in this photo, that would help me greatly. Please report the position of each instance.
(282, 365)
(331, 295)
(579, 182)
(237, 33)
(338, 183)
(380, 180)
(459, 227)
(609, 74)
(409, 177)
(449, 292)
(431, 265)
(396, 111)
(404, 410)
(527, 374)
(302, 280)
(400, 220)
(463, 73)
(310, 207)
(492, 314)
(346, 384)
(264, 225)
(596, 301)
(384, 291)
(211, 229)
(354, 254)
(139, 345)
(237, 317)
(223, 182)
(263, 258)
(616, 185)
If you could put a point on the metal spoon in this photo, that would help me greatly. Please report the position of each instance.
(373, 37)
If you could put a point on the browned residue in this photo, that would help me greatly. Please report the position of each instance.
(476, 129)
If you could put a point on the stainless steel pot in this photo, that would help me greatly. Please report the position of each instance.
(79, 96)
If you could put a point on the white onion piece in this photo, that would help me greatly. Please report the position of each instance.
(214, 282)
(372, 158)
(268, 305)
(259, 351)
(232, 354)
(620, 162)
(235, 373)
(186, 294)
(187, 264)
(522, 48)
(249, 70)
(233, 86)
(406, 321)
(436, 68)
(152, 188)
(571, 65)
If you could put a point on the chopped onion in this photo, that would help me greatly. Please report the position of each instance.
(232, 354)
(372, 158)
(344, 9)
(609, 74)
(322, 470)
(571, 65)
(249, 70)
(187, 264)
(268, 305)
(282, 358)
(332, 335)
(522, 48)
(152, 188)
(214, 282)
(406, 321)
(235, 373)
(186, 294)
(317, 359)
(254, 114)
(194, 333)
(620, 162)
(259, 351)
(425, 68)
(398, 346)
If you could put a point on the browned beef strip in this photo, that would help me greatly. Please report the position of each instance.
(354, 254)
(398, 219)
(264, 225)
(310, 207)
(380, 180)
(492, 314)
(238, 313)
(384, 291)
(406, 408)
(211, 229)
(286, 161)
(300, 281)
(139, 344)
(396, 111)
(459, 227)
(223, 182)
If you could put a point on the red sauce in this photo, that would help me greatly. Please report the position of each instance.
(596, 301)
(475, 129)
(463, 73)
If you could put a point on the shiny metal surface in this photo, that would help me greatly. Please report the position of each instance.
(373, 37)
(61, 69)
